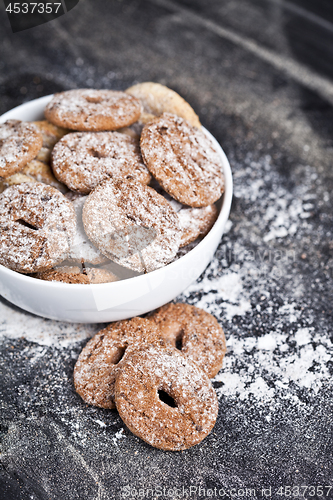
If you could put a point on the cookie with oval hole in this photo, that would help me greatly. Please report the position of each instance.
(165, 398)
(93, 110)
(193, 331)
(83, 160)
(100, 360)
(37, 224)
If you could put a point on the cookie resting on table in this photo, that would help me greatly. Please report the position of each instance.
(183, 160)
(37, 224)
(195, 332)
(83, 160)
(100, 360)
(93, 110)
(165, 398)
(132, 225)
(19, 143)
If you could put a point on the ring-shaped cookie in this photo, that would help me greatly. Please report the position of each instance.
(193, 331)
(96, 368)
(93, 110)
(82, 160)
(165, 398)
(37, 224)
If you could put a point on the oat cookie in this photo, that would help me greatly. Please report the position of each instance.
(195, 332)
(183, 160)
(102, 357)
(158, 99)
(165, 398)
(83, 160)
(93, 110)
(37, 224)
(132, 225)
(19, 143)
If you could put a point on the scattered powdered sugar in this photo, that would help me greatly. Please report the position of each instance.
(118, 436)
(16, 324)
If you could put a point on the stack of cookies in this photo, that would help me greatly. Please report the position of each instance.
(156, 372)
(132, 175)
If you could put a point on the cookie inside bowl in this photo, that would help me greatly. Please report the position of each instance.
(121, 292)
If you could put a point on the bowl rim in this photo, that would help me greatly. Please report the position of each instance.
(221, 219)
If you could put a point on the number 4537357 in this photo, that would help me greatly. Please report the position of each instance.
(30, 8)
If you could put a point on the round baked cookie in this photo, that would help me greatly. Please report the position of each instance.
(75, 275)
(157, 99)
(193, 331)
(183, 160)
(82, 160)
(93, 110)
(165, 398)
(132, 225)
(19, 143)
(37, 224)
(100, 360)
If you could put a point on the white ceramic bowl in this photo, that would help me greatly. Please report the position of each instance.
(121, 299)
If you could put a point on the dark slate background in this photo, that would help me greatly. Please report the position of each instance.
(259, 74)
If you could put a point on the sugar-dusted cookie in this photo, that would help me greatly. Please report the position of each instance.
(183, 160)
(93, 110)
(83, 160)
(96, 368)
(19, 143)
(37, 224)
(132, 225)
(195, 332)
(165, 398)
(157, 99)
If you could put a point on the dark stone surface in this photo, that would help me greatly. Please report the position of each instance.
(270, 283)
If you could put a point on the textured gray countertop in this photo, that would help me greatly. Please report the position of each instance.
(258, 75)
